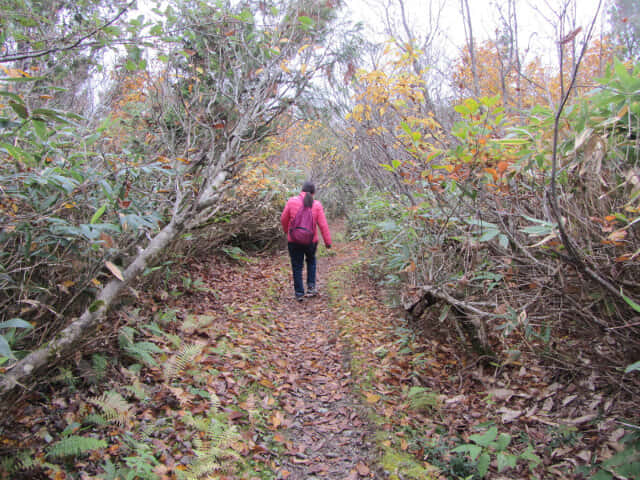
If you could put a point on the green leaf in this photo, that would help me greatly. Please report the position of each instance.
(98, 214)
(19, 108)
(40, 127)
(633, 367)
(530, 456)
(52, 114)
(631, 303)
(504, 439)
(486, 438)
(483, 464)
(472, 450)
(506, 460)
(96, 305)
(602, 475)
(489, 235)
(16, 323)
(462, 110)
(18, 153)
(306, 22)
(5, 349)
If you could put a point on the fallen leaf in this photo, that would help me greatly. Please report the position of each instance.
(372, 397)
(362, 469)
(277, 419)
(501, 393)
(581, 420)
(509, 415)
(114, 270)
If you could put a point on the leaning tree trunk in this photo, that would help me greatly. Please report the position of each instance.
(94, 314)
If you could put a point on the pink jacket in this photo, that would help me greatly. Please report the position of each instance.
(317, 212)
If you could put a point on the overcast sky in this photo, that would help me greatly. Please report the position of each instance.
(535, 30)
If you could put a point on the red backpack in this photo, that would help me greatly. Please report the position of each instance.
(301, 228)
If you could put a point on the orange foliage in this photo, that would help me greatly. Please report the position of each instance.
(539, 84)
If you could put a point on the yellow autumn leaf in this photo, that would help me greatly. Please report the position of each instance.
(96, 282)
(283, 66)
(372, 397)
(303, 69)
(617, 236)
(68, 283)
(277, 419)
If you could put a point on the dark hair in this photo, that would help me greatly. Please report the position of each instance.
(310, 188)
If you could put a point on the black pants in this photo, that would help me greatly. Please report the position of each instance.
(298, 254)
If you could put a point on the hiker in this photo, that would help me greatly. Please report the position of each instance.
(300, 214)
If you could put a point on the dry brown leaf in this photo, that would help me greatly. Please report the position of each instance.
(501, 393)
(509, 415)
(114, 270)
(362, 469)
(581, 420)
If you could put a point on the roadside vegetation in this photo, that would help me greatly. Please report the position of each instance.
(492, 195)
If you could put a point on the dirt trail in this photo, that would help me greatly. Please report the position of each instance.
(324, 420)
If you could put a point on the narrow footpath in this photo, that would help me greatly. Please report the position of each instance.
(302, 367)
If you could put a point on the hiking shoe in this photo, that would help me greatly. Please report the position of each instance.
(312, 292)
(299, 298)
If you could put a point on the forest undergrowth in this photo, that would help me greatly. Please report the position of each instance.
(216, 372)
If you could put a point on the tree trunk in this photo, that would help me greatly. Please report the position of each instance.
(468, 30)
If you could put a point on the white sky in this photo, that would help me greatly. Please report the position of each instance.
(535, 30)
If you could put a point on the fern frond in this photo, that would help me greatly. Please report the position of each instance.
(181, 395)
(214, 453)
(99, 365)
(221, 434)
(75, 445)
(182, 360)
(202, 468)
(114, 407)
(199, 423)
(215, 403)
(126, 336)
(20, 462)
(137, 390)
(142, 351)
(95, 419)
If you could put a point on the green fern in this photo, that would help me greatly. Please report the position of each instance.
(75, 445)
(142, 463)
(156, 330)
(137, 390)
(422, 399)
(21, 462)
(99, 366)
(182, 360)
(65, 375)
(94, 419)
(140, 351)
(114, 407)
(214, 454)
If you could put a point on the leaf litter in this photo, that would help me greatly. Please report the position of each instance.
(335, 387)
